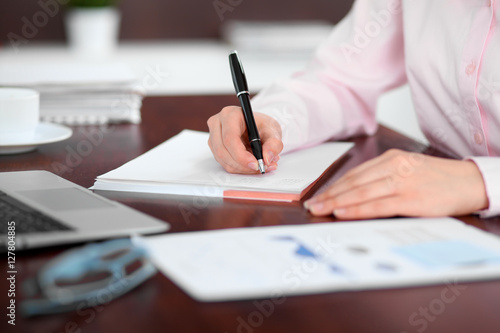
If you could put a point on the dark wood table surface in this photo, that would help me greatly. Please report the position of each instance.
(160, 306)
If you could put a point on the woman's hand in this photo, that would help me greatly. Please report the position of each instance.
(229, 141)
(399, 183)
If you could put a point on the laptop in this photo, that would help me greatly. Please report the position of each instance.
(41, 209)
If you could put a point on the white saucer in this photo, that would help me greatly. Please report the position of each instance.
(44, 133)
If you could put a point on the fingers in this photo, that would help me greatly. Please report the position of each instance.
(377, 188)
(226, 129)
(233, 146)
(382, 207)
(376, 169)
(226, 141)
(356, 196)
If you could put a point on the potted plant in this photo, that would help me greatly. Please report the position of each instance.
(92, 26)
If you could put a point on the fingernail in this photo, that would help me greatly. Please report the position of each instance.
(270, 157)
(339, 212)
(271, 168)
(276, 158)
(254, 166)
(309, 203)
(316, 207)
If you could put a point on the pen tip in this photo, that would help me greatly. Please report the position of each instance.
(261, 167)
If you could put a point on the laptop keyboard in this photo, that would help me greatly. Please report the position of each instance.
(28, 220)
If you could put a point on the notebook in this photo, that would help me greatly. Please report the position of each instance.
(184, 165)
(38, 208)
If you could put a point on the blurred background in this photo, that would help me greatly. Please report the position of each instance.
(183, 43)
(177, 19)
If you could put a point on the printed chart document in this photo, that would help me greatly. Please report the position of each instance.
(185, 165)
(270, 262)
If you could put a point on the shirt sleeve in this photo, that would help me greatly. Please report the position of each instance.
(490, 170)
(335, 96)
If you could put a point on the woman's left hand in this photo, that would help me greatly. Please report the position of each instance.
(399, 183)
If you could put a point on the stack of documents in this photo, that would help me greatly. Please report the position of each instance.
(79, 93)
(184, 165)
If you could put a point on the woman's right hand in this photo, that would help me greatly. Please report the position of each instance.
(229, 141)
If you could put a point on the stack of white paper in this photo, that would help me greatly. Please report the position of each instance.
(79, 93)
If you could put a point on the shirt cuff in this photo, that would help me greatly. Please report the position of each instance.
(490, 170)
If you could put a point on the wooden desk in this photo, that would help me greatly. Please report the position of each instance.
(160, 306)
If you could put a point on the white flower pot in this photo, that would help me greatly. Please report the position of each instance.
(93, 32)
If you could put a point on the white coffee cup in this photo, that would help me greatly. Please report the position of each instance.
(19, 114)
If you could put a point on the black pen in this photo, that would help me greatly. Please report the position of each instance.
(241, 86)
